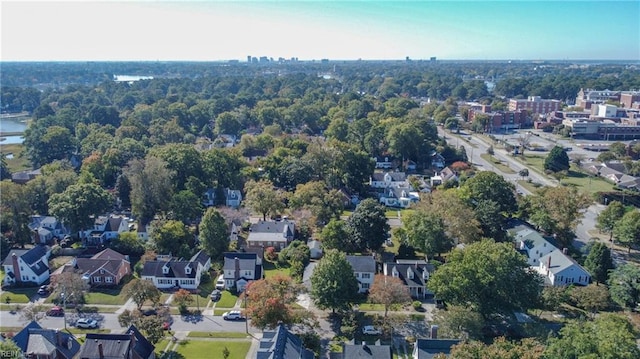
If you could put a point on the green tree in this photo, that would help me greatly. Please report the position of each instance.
(388, 291)
(333, 283)
(69, 285)
(296, 251)
(426, 232)
(151, 185)
(599, 262)
(490, 186)
(16, 212)
(140, 291)
(185, 206)
(557, 160)
(335, 235)
(270, 301)
(624, 286)
(49, 144)
(489, 277)
(524, 172)
(459, 322)
(324, 204)
(79, 204)
(609, 336)
(608, 218)
(627, 230)
(128, 243)
(10, 349)
(593, 298)
(173, 237)
(553, 297)
(214, 233)
(558, 210)
(368, 226)
(501, 348)
(263, 198)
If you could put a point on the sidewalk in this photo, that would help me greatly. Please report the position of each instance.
(129, 305)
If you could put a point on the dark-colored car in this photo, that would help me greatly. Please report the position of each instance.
(216, 295)
(55, 312)
(43, 290)
(149, 312)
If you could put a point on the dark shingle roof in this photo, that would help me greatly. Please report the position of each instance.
(143, 347)
(176, 269)
(353, 351)
(282, 344)
(113, 224)
(33, 336)
(362, 263)
(246, 260)
(416, 269)
(114, 346)
(428, 348)
(30, 256)
(200, 257)
(90, 265)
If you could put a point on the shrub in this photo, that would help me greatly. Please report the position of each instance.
(270, 254)
(417, 305)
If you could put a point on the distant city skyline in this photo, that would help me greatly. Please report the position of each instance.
(314, 30)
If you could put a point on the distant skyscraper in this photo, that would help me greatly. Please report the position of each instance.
(249, 58)
(432, 59)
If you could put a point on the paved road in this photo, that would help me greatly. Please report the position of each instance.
(205, 323)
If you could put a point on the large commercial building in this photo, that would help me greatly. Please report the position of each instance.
(535, 104)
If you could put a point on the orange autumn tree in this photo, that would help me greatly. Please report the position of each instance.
(388, 291)
(269, 301)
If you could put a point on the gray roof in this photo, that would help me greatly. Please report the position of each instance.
(560, 262)
(114, 346)
(176, 269)
(416, 268)
(29, 256)
(286, 227)
(282, 344)
(361, 264)
(429, 348)
(200, 257)
(365, 351)
(246, 261)
(395, 176)
(34, 339)
(113, 224)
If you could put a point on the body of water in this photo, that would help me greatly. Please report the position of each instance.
(13, 124)
(10, 140)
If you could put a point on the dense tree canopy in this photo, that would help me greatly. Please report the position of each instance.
(557, 160)
(488, 277)
(79, 204)
(214, 233)
(368, 226)
(333, 283)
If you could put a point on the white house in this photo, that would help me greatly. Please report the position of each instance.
(413, 273)
(388, 179)
(231, 197)
(437, 160)
(364, 268)
(27, 265)
(45, 229)
(173, 273)
(401, 197)
(105, 229)
(559, 269)
(240, 268)
(531, 243)
(384, 162)
(315, 249)
(276, 234)
(444, 176)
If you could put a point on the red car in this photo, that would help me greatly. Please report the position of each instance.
(55, 312)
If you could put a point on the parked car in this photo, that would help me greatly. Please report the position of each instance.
(149, 312)
(220, 282)
(216, 295)
(84, 323)
(43, 290)
(370, 330)
(55, 312)
(233, 315)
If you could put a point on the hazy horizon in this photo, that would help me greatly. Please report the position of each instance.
(214, 31)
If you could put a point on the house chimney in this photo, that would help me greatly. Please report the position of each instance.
(434, 332)
(100, 351)
(237, 267)
(58, 338)
(548, 264)
(16, 267)
(565, 250)
(133, 338)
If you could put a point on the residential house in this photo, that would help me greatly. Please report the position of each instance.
(282, 344)
(106, 268)
(401, 197)
(559, 269)
(203, 260)
(142, 232)
(240, 268)
(411, 166)
(384, 162)
(105, 229)
(315, 249)
(437, 160)
(173, 273)
(277, 234)
(46, 229)
(388, 180)
(226, 196)
(432, 347)
(446, 175)
(27, 265)
(365, 351)
(23, 177)
(364, 268)
(129, 345)
(36, 342)
(413, 273)
(531, 243)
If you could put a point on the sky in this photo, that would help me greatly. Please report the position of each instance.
(313, 30)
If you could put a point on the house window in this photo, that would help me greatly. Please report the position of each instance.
(109, 279)
(365, 285)
(357, 275)
(366, 275)
(248, 273)
(33, 278)
(97, 279)
(101, 271)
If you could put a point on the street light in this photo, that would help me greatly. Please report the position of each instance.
(246, 319)
(64, 305)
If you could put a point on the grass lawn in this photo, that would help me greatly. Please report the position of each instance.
(160, 347)
(532, 161)
(371, 306)
(10, 329)
(228, 300)
(19, 162)
(207, 287)
(106, 296)
(213, 349)
(271, 269)
(85, 331)
(497, 163)
(391, 213)
(235, 335)
(219, 312)
(18, 295)
(586, 183)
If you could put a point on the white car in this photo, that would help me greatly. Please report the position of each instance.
(220, 282)
(233, 315)
(370, 330)
(86, 324)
